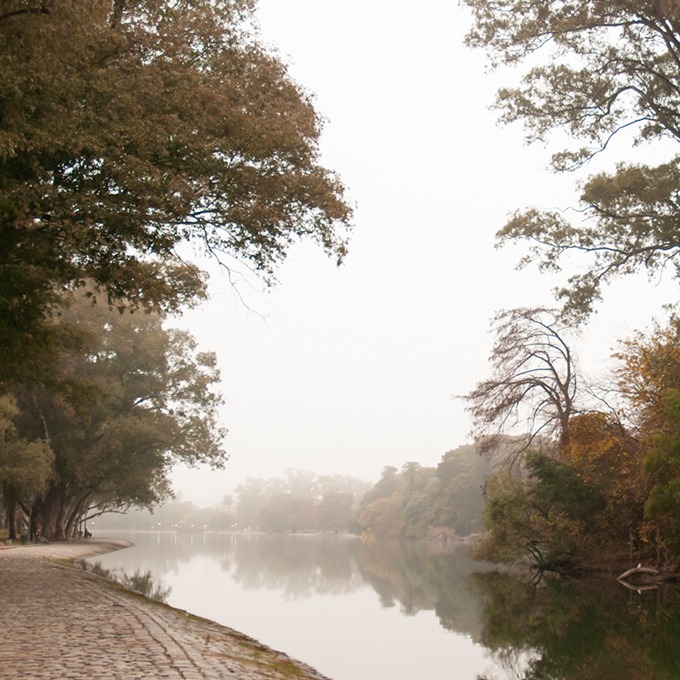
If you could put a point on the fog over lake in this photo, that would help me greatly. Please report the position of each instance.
(352, 610)
(394, 610)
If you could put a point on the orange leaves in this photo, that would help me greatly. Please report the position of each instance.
(605, 456)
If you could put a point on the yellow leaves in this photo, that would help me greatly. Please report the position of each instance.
(591, 437)
(605, 457)
(650, 367)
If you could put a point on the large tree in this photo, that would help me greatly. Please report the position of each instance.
(128, 128)
(25, 466)
(595, 70)
(132, 399)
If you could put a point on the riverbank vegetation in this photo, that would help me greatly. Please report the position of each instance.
(440, 504)
(596, 479)
(593, 484)
(133, 133)
(417, 502)
(605, 485)
(591, 474)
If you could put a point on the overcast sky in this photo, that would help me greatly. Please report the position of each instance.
(346, 370)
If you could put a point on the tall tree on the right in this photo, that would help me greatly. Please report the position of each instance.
(606, 69)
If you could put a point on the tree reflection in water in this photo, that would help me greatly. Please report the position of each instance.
(140, 582)
(566, 630)
(415, 576)
(299, 566)
(590, 630)
(424, 576)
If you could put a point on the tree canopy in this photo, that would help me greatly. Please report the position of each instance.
(594, 71)
(649, 374)
(130, 128)
(131, 401)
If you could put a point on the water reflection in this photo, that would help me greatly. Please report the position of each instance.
(140, 582)
(401, 599)
(590, 630)
(425, 576)
(298, 566)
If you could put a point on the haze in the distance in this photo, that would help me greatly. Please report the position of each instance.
(346, 370)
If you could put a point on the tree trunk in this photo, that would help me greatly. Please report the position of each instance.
(59, 532)
(49, 512)
(12, 520)
(75, 515)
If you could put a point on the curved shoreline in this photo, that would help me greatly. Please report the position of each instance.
(62, 621)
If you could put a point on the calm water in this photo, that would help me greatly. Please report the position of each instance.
(393, 611)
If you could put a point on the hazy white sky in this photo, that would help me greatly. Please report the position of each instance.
(346, 370)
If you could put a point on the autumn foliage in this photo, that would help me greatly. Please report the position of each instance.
(608, 487)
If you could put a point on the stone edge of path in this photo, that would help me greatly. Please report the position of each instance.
(68, 554)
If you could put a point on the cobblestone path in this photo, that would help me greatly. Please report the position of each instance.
(59, 622)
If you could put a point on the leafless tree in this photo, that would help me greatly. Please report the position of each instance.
(533, 382)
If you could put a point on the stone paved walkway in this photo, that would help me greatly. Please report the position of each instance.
(59, 622)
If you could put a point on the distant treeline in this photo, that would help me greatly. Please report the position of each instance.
(426, 502)
(299, 502)
(415, 502)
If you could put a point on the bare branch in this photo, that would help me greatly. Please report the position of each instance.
(534, 381)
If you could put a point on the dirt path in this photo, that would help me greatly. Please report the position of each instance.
(58, 621)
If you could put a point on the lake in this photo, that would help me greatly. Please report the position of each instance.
(391, 610)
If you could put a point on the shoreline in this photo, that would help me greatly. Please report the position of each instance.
(102, 629)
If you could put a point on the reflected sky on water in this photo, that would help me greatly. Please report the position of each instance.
(403, 610)
(354, 611)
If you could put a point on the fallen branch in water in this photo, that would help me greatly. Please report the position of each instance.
(638, 570)
(638, 588)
